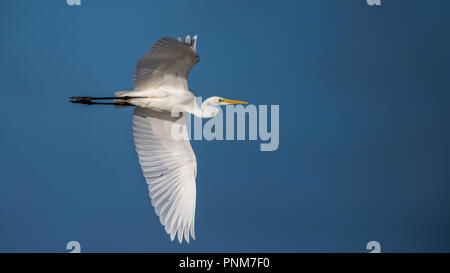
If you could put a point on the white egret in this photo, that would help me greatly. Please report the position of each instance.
(168, 163)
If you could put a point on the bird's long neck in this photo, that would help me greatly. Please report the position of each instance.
(206, 109)
(200, 111)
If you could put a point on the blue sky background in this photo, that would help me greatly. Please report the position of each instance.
(364, 131)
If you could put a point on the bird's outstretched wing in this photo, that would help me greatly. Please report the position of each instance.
(168, 63)
(169, 166)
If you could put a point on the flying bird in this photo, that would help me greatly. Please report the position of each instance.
(162, 98)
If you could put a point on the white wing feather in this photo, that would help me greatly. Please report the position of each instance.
(169, 166)
(168, 63)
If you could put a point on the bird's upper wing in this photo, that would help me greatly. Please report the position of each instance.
(169, 166)
(168, 63)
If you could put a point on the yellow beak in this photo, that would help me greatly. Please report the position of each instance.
(233, 101)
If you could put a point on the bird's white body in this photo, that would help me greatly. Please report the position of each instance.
(162, 98)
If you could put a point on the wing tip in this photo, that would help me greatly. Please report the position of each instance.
(192, 42)
(180, 234)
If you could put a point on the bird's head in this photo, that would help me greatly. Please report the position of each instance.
(210, 105)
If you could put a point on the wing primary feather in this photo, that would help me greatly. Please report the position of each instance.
(194, 42)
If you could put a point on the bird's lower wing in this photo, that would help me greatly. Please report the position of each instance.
(169, 167)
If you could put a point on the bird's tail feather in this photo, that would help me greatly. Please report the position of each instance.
(121, 103)
(122, 93)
